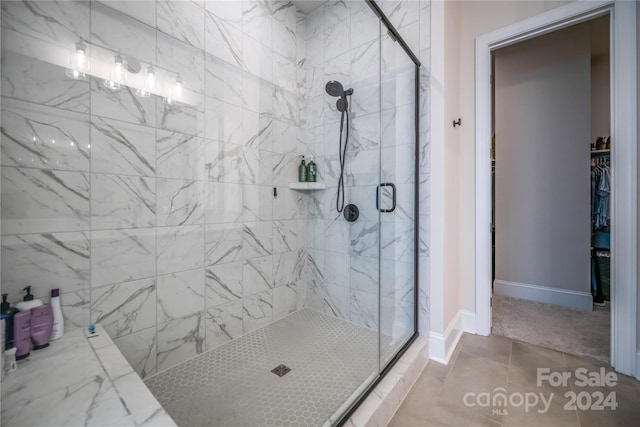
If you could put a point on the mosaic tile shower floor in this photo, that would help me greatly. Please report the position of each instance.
(233, 386)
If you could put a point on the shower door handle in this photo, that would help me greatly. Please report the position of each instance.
(393, 196)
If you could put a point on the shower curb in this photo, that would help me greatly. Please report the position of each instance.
(383, 402)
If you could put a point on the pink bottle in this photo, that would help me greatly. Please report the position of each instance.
(41, 326)
(22, 334)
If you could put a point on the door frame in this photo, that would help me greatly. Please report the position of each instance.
(624, 154)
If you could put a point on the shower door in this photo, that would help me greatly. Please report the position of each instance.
(397, 197)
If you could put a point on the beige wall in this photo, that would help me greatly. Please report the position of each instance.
(452, 73)
(542, 185)
(476, 18)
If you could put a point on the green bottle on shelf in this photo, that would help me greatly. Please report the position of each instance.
(302, 171)
(313, 170)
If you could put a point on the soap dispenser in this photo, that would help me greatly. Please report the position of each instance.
(302, 171)
(7, 312)
(28, 302)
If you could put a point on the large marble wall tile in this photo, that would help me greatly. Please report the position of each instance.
(142, 10)
(183, 20)
(364, 273)
(223, 243)
(180, 202)
(257, 130)
(397, 280)
(364, 24)
(223, 202)
(59, 260)
(286, 107)
(223, 162)
(30, 79)
(397, 241)
(62, 23)
(122, 105)
(140, 351)
(285, 300)
(284, 43)
(42, 200)
(336, 12)
(122, 255)
(180, 248)
(230, 12)
(180, 58)
(37, 136)
(288, 205)
(182, 118)
(120, 33)
(364, 61)
(257, 311)
(223, 283)
(180, 294)
(223, 81)
(122, 148)
(125, 308)
(179, 340)
(180, 156)
(364, 238)
(285, 169)
(258, 203)
(257, 166)
(76, 309)
(257, 239)
(256, 20)
(401, 13)
(337, 269)
(224, 121)
(257, 58)
(122, 202)
(314, 265)
(222, 324)
(284, 138)
(337, 235)
(330, 300)
(285, 75)
(364, 309)
(222, 39)
(288, 268)
(285, 236)
(257, 94)
(336, 40)
(257, 275)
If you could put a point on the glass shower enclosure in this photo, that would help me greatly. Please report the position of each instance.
(150, 155)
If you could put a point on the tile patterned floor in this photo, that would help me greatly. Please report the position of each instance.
(482, 364)
(233, 385)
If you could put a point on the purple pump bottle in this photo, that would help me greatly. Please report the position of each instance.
(22, 334)
(41, 326)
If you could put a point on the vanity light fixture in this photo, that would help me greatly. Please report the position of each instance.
(79, 63)
(149, 83)
(177, 92)
(117, 73)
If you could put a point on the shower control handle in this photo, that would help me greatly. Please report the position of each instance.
(393, 196)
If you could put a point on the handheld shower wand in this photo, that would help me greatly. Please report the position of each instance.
(335, 88)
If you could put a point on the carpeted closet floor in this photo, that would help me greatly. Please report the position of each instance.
(584, 333)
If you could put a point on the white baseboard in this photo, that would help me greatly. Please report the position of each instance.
(441, 346)
(573, 299)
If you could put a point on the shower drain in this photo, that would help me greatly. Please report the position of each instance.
(281, 370)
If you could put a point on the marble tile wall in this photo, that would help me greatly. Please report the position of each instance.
(343, 43)
(157, 220)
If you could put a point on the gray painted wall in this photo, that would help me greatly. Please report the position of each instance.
(543, 130)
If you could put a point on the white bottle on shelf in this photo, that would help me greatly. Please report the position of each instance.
(58, 321)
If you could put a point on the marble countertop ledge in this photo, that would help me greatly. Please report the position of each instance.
(79, 381)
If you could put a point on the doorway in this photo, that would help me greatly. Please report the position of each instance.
(624, 155)
(550, 94)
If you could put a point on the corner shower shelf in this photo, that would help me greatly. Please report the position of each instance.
(307, 186)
